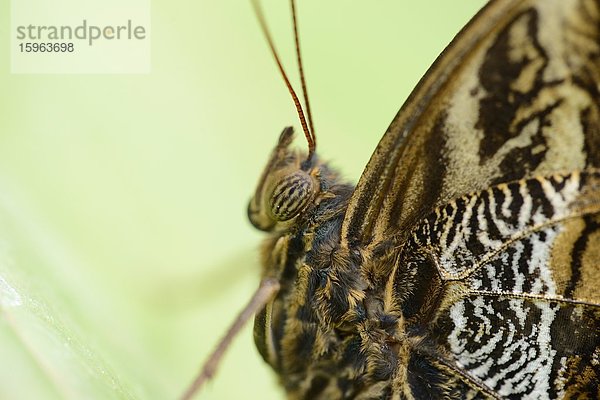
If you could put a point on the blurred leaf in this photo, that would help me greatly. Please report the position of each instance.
(43, 356)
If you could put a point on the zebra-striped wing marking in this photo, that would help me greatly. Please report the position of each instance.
(519, 266)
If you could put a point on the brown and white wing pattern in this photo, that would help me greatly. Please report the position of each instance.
(518, 315)
(516, 95)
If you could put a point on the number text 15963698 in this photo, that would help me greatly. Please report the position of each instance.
(47, 47)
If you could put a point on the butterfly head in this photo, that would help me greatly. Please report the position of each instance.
(286, 189)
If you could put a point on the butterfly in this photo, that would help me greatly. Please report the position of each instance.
(466, 261)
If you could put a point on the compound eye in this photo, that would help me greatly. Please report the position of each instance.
(290, 195)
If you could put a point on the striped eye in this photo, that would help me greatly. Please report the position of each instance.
(290, 195)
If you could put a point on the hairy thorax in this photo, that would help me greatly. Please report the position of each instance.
(334, 330)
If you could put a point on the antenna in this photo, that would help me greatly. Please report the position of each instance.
(301, 71)
(310, 138)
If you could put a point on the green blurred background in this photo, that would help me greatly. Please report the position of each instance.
(123, 226)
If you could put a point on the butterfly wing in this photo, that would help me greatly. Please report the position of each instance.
(475, 183)
(519, 311)
(515, 95)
